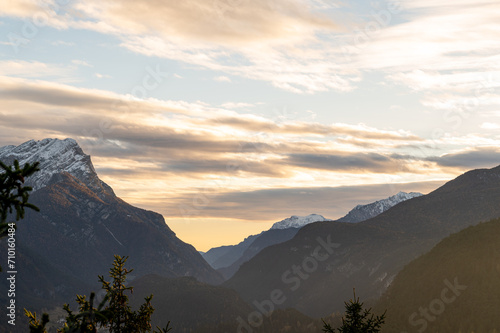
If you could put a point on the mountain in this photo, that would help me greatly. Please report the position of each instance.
(228, 259)
(82, 224)
(55, 156)
(267, 238)
(298, 221)
(224, 256)
(318, 268)
(365, 212)
(452, 288)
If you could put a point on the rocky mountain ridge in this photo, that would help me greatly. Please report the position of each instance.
(55, 156)
(365, 212)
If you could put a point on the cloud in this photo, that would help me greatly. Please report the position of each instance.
(437, 36)
(48, 93)
(36, 15)
(307, 56)
(277, 204)
(190, 116)
(62, 42)
(220, 21)
(235, 167)
(285, 67)
(349, 162)
(490, 126)
(195, 140)
(446, 51)
(79, 62)
(360, 131)
(184, 152)
(102, 76)
(303, 46)
(233, 105)
(222, 79)
(36, 69)
(478, 157)
(19, 8)
(260, 39)
(175, 148)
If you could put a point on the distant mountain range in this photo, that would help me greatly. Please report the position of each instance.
(318, 268)
(228, 259)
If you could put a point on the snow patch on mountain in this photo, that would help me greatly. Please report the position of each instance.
(298, 221)
(55, 156)
(365, 212)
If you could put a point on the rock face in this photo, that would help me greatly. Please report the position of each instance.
(55, 156)
(365, 212)
(82, 224)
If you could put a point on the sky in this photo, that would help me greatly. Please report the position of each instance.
(228, 115)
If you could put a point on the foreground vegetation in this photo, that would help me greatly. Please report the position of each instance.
(113, 312)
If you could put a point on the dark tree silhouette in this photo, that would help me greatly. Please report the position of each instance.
(13, 195)
(113, 312)
(121, 318)
(357, 320)
(36, 325)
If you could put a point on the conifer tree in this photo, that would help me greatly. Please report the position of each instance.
(36, 325)
(13, 195)
(113, 312)
(122, 319)
(357, 320)
(88, 319)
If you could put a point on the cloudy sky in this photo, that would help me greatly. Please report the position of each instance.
(228, 115)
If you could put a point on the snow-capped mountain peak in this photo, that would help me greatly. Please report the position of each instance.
(55, 156)
(298, 221)
(365, 212)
